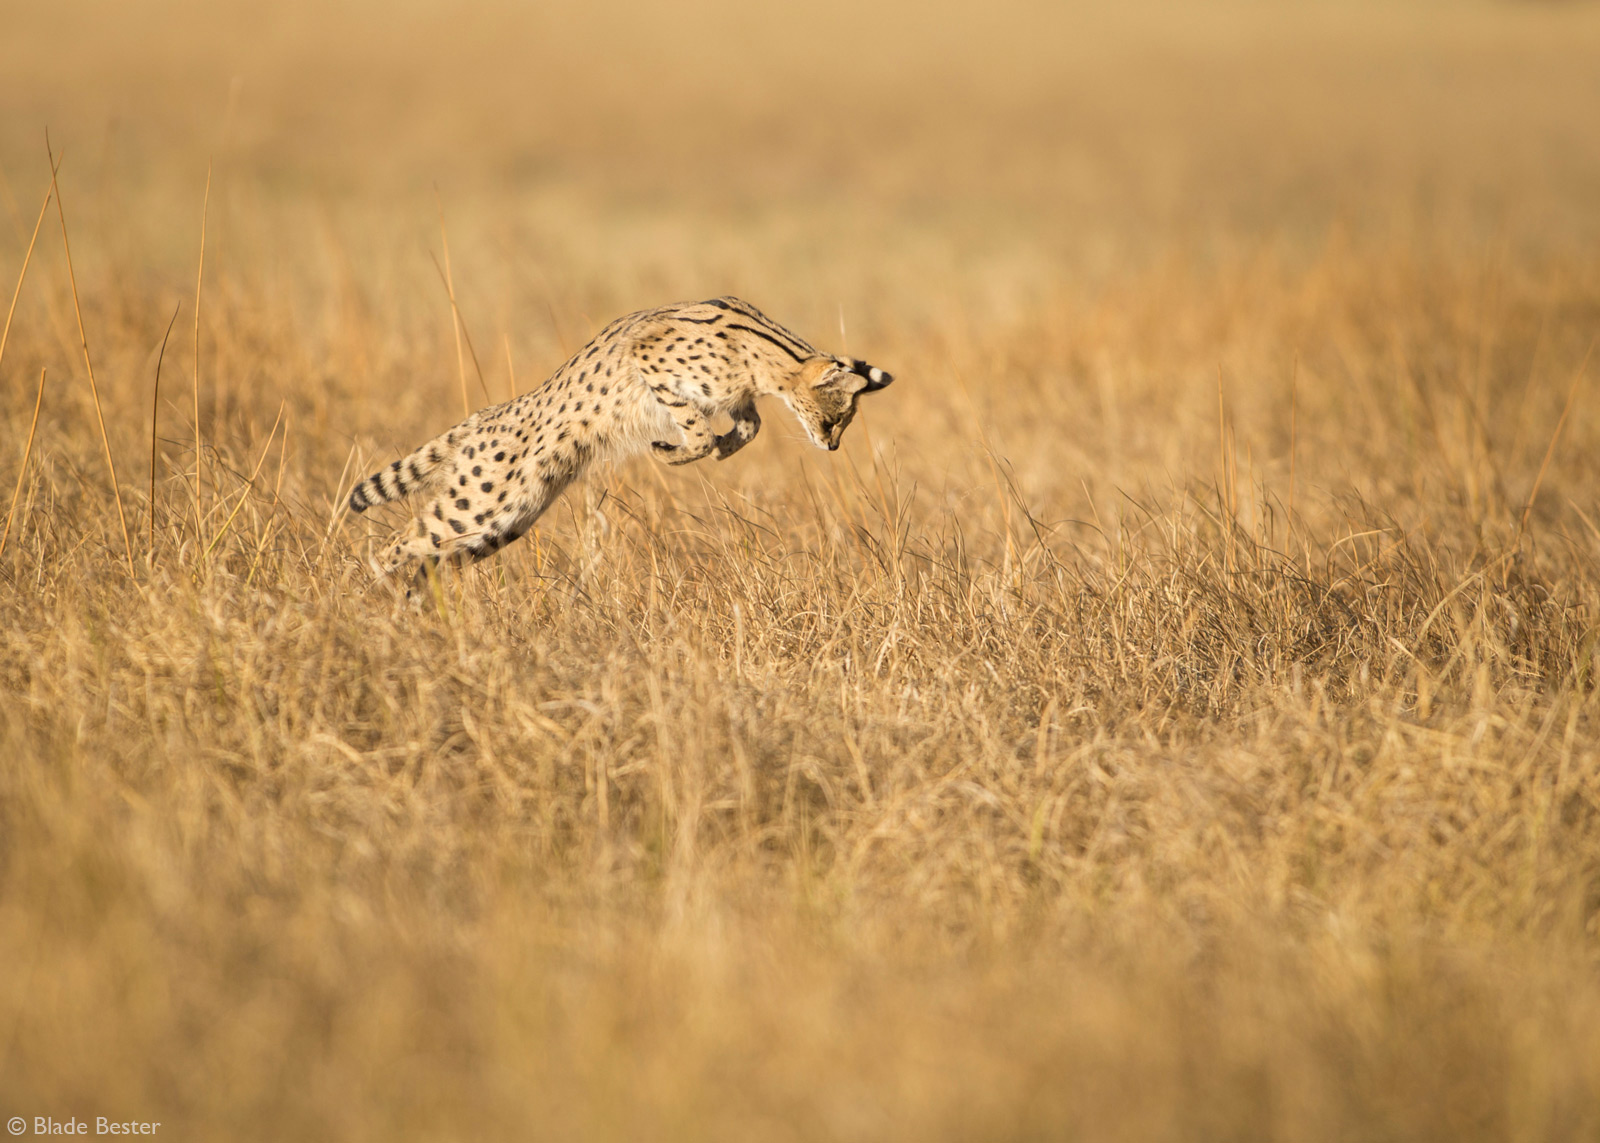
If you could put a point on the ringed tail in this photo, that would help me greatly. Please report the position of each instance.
(401, 478)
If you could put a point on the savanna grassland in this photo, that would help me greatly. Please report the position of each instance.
(1171, 716)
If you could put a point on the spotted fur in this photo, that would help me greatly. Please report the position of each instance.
(649, 381)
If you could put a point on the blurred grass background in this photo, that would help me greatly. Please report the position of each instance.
(1171, 716)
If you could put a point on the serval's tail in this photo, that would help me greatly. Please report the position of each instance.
(402, 477)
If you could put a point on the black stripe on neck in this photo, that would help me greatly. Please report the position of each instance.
(769, 337)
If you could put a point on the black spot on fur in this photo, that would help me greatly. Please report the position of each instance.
(457, 525)
(463, 504)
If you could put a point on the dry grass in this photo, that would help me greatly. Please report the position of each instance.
(1025, 770)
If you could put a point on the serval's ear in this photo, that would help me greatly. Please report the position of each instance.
(849, 374)
(853, 376)
(876, 378)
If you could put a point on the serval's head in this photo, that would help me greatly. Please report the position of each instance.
(824, 395)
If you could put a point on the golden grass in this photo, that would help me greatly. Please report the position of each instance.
(1172, 715)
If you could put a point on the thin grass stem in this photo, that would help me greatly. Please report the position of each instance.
(5, 335)
(83, 340)
(199, 281)
(455, 316)
(461, 332)
(1550, 450)
(1294, 408)
(155, 416)
(23, 471)
(245, 493)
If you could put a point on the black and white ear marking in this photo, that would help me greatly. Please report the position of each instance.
(876, 378)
